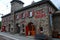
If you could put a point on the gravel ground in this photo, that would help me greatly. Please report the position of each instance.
(4, 38)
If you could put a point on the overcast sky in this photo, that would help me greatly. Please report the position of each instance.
(5, 5)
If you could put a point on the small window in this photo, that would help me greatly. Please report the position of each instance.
(41, 28)
(30, 14)
(23, 15)
(23, 29)
(23, 25)
(17, 17)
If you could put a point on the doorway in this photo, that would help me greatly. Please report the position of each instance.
(30, 29)
(18, 28)
(9, 28)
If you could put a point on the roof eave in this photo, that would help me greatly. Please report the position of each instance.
(38, 3)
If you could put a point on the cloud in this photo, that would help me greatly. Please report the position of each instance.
(4, 6)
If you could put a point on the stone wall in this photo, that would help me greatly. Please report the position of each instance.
(37, 21)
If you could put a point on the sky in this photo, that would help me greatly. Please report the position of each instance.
(5, 6)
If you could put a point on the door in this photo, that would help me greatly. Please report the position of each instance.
(30, 29)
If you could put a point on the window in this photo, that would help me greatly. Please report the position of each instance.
(23, 25)
(30, 14)
(41, 28)
(23, 15)
(23, 28)
(17, 17)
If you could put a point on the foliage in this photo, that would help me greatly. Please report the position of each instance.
(0, 24)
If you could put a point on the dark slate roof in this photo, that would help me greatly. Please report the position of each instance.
(17, 1)
(35, 4)
(57, 13)
(6, 15)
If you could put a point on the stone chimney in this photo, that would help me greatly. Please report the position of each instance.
(16, 5)
(33, 2)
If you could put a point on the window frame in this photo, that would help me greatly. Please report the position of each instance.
(23, 15)
(30, 14)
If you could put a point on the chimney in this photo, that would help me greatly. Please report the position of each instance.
(33, 2)
(16, 5)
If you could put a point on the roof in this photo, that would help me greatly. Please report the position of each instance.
(57, 11)
(36, 4)
(33, 5)
(6, 15)
(17, 1)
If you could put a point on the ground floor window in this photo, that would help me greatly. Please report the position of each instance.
(23, 27)
(18, 28)
(41, 28)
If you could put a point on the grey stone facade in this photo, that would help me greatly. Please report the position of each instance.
(14, 18)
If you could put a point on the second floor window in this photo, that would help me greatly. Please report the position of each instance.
(30, 14)
(23, 15)
(17, 17)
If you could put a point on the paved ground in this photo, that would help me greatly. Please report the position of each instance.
(55, 39)
(15, 36)
(5, 38)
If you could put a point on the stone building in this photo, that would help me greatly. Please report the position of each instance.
(39, 14)
(56, 24)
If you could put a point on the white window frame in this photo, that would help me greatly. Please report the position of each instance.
(30, 14)
(23, 15)
(23, 28)
(17, 17)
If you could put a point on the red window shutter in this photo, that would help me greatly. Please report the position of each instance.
(26, 14)
(33, 12)
(38, 12)
(20, 16)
